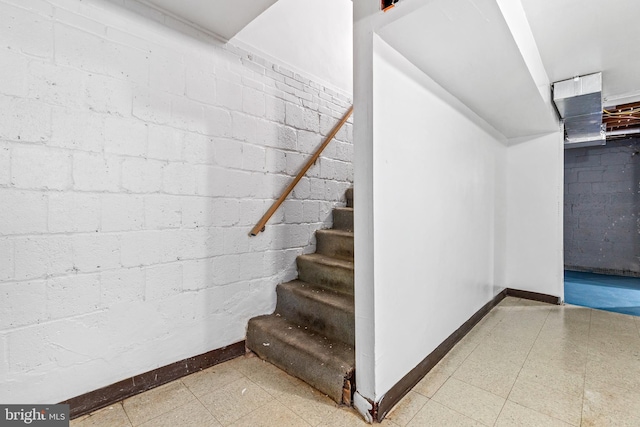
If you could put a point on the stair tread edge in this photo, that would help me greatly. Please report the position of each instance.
(338, 350)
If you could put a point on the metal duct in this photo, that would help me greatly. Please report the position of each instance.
(579, 102)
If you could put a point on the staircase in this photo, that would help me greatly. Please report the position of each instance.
(311, 334)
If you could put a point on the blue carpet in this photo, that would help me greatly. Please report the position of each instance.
(611, 293)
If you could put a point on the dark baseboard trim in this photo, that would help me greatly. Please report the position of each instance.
(534, 296)
(402, 387)
(121, 390)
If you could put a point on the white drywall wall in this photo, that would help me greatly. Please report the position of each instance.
(312, 36)
(440, 194)
(134, 160)
(437, 172)
(534, 214)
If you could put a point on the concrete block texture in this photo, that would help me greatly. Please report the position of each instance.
(602, 208)
(134, 160)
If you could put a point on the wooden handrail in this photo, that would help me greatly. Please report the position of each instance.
(263, 221)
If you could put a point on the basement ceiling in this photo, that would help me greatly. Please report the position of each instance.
(622, 120)
(467, 47)
(578, 37)
(223, 18)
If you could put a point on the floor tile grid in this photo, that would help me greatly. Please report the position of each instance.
(125, 413)
(585, 376)
(192, 397)
(113, 416)
(506, 306)
(528, 353)
(160, 415)
(543, 418)
(287, 401)
(180, 396)
(475, 337)
(301, 401)
(273, 400)
(512, 399)
(510, 305)
(611, 396)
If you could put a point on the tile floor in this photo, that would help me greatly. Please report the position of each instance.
(524, 364)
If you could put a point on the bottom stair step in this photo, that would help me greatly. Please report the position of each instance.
(325, 364)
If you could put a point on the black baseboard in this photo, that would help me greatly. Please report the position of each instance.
(402, 387)
(121, 390)
(534, 296)
(113, 393)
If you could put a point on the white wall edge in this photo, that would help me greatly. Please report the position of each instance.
(363, 406)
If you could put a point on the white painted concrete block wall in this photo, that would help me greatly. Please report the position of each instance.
(332, 56)
(134, 159)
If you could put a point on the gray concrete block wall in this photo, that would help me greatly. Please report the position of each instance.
(602, 208)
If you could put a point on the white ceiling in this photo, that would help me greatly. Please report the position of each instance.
(470, 49)
(578, 37)
(222, 17)
(466, 46)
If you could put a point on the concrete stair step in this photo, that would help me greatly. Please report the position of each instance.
(326, 312)
(343, 219)
(349, 195)
(329, 272)
(311, 335)
(335, 243)
(323, 363)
